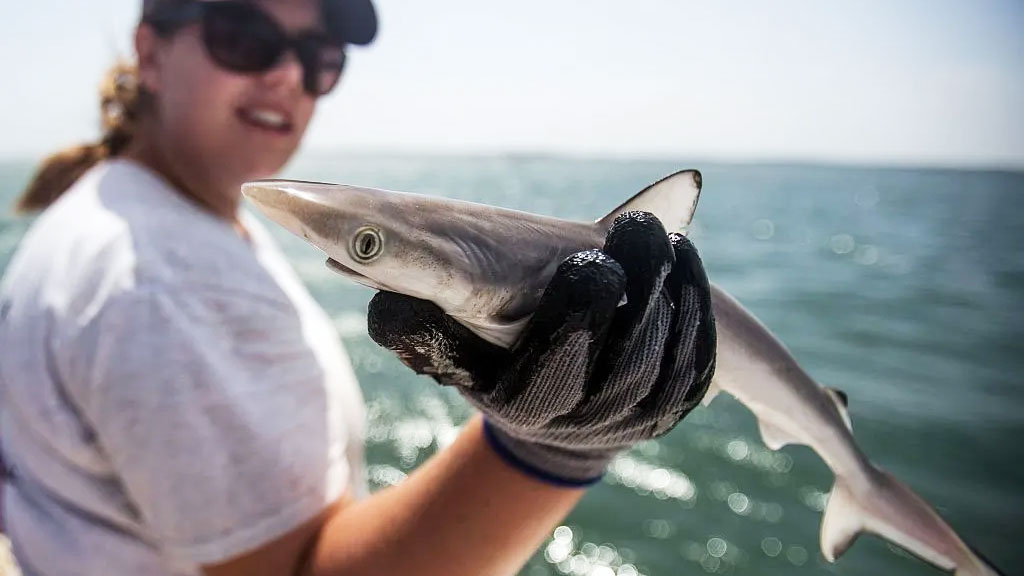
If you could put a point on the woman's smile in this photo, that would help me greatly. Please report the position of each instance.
(266, 118)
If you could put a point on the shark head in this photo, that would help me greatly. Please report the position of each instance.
(369, 236)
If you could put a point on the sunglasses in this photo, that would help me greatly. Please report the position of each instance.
(241, 37)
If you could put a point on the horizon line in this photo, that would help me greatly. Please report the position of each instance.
(1012, 166)
(898, 163)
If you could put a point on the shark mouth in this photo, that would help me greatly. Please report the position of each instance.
(355, 276)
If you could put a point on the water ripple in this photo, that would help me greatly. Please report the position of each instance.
(661, 482)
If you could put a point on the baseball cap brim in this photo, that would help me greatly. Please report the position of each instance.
(350, 21)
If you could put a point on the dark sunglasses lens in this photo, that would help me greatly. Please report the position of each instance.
(240, 37)
(332, 62)
(322, 64)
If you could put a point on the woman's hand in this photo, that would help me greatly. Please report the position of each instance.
(589, 377)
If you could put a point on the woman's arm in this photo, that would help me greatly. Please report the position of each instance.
(464, 511)
(590, 376)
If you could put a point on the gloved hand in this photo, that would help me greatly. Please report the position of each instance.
(587, 378)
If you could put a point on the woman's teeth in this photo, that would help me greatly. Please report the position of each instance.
(265, 118)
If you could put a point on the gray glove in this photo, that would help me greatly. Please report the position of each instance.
(588, 378)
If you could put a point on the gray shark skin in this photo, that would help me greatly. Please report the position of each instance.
(487, 268)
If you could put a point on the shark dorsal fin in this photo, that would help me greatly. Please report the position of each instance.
(840, 395)
(841, 400)
(673, 199)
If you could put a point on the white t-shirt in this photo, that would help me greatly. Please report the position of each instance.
(170, 394)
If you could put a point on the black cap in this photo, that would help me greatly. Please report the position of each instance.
(351, 21)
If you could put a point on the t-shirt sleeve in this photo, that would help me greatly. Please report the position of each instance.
(212, 410)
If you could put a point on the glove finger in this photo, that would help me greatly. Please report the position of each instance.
(432, 342)
(689, 361)
(637, 241)
(555, 355)
(630, 360)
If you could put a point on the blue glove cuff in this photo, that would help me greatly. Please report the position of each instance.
(530, 470)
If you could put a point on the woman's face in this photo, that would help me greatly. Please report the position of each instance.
(216, 128)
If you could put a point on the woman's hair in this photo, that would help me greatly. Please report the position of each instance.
(120, 103)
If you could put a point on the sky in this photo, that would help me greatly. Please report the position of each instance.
(919, 82)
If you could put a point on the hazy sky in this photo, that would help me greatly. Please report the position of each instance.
(905, 81)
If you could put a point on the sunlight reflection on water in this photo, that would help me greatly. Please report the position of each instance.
(902, 287)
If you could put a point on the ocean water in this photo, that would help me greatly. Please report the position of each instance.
(903, 287)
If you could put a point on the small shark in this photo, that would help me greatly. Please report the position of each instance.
(487, 267)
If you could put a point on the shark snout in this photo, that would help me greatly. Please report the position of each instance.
(279, 201)
(267, 193)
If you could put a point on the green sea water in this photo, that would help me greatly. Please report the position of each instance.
(903, 287)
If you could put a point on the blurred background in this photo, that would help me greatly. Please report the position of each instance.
(863, 195)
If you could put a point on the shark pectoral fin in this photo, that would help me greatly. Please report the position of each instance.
(712, 391)
(496, 332)
(773, 436)
(842, 523)
(840, 399)
(673, 199)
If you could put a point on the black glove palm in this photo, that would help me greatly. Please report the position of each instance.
(588, 377)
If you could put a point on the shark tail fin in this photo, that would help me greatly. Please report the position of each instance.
(894, 512)
(673, 199)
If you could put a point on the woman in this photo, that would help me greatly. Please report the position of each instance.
(174, 402)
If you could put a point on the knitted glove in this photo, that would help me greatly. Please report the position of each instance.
(588, 377)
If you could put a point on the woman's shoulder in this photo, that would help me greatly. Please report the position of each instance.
(122, 228)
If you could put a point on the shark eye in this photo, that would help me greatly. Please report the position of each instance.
(367, 244)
